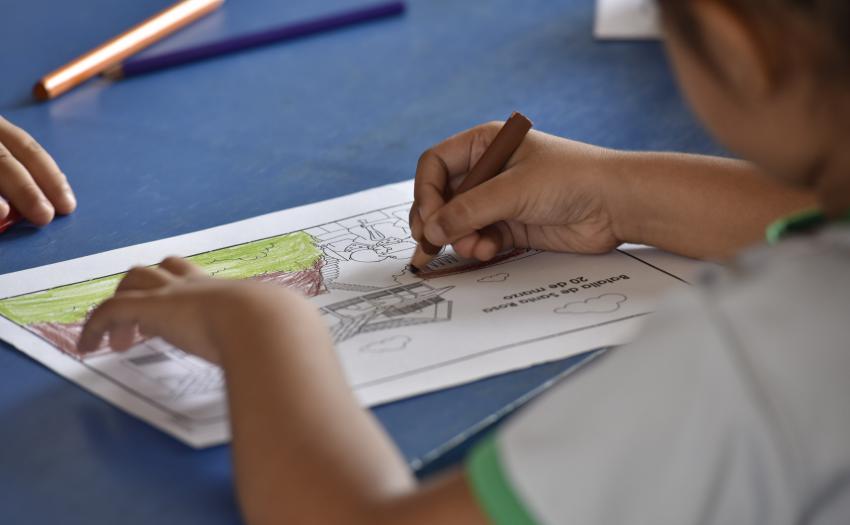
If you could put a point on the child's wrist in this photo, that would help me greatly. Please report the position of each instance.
(234, 315)
(255, 318)
(620, 194)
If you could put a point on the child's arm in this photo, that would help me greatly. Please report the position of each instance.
(30, 180)
(304, 450)
(562, 195)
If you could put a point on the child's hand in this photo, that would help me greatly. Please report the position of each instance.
(551, 196)
(30, 180)
(178, 302)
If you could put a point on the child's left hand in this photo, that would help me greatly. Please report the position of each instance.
(178, 302)
(30, 180)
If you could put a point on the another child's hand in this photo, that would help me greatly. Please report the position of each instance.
(553, 195)
(178, 302)
(30, 180)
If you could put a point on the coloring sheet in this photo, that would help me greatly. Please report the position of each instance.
(397, 334)
(626, 19)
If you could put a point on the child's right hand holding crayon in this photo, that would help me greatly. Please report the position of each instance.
(561, 195)
(523, 206)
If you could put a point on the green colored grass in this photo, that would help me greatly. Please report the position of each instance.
(71, 303)
(66, 304)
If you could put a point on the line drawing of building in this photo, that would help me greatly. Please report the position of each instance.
(406, 305)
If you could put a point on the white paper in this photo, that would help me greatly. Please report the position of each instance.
(396, 334)
(627, 19)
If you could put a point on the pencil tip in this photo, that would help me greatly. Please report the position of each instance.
(414, 270)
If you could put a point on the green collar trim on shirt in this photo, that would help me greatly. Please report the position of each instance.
(797, 223)
(492, 488)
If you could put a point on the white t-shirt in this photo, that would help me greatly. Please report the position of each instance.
(732, 408)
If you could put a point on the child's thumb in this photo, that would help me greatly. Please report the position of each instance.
(496, 200)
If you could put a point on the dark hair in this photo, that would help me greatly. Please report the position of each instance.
(818, 29)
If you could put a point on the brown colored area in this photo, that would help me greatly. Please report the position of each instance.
(470, 266)
(62, 335)
(308, 282)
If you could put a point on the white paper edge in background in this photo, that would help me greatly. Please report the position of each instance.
(627, 20)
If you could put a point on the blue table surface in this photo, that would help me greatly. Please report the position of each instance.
(231, 138)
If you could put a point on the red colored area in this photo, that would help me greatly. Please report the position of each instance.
(61, 335)
(10, 219)
(308, 282)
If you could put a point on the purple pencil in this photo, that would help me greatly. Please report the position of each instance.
(139, 66)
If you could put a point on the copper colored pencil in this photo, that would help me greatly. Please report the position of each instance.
(488, 166)
(122, 46)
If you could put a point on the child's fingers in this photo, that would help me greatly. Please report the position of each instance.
(466, 245)
(496, 200)
(102, 319)
(449, 158)
(18, 188)
(40, 165)
(429, 188)
(181, 267)
(416, 223)
(487, 243)
(122, 336)
(482, 245)
(144, 278)
(129, 308)
(491, 241)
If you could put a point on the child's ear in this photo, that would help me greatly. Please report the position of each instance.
(735, 49)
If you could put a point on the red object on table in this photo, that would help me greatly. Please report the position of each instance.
(9, 220)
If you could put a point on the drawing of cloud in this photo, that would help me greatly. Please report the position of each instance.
(607, 303)
(495, 278)
(390, 344)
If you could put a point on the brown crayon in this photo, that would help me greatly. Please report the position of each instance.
(488, 166)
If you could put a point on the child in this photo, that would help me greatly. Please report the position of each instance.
(731, 408)
(30, 180)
